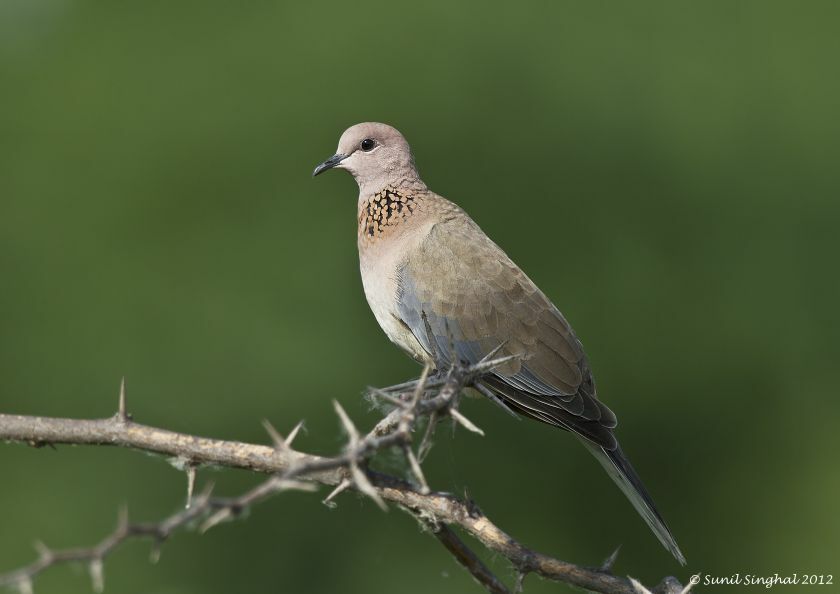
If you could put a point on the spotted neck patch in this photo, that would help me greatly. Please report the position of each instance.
(385, 209)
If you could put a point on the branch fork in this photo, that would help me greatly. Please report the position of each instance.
(426, 399)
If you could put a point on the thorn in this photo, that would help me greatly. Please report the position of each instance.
(293, 485)
(495, 400)
(204, 496)
(489, 356)
(363, 484)
(24, 585)
(154, 554)
(43, 551)
(294, 433)
(122, 519)
(217, 518)
(122, 414)
(409, 385)
(608, 563)
(639, 588)
(276, 438)
(464, 421)
(97, 575)
(421, 385)
(348, 424)
(485, 366)
(426, 442)
(190, 469)
(399, 403)
(415, 469)
(340, 488)
(519, 585)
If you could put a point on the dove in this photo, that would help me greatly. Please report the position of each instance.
(440, 288)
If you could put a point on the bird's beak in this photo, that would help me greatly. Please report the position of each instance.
(329, 164)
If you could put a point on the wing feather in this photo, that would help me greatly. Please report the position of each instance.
(461, 296)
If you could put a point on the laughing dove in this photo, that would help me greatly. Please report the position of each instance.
(435, 281)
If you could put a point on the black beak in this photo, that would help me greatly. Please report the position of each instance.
(328, 164)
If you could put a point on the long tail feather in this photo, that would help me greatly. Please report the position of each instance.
(620, 470)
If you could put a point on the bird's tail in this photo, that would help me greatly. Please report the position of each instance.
(620, 470)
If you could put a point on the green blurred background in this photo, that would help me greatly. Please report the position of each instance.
(666, 172)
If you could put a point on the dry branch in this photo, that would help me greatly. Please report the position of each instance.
(429, 398)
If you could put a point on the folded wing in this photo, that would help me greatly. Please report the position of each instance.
(462, 297)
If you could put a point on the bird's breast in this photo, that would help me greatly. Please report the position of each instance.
(380, 263)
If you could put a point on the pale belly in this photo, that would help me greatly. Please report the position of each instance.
(379, 278)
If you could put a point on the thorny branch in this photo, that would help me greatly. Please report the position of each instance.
(429, 398)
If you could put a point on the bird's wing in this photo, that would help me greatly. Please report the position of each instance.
(461, 295)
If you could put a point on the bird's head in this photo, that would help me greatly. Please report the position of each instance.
(377, 155)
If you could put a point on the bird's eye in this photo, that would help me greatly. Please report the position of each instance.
(368, 144)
